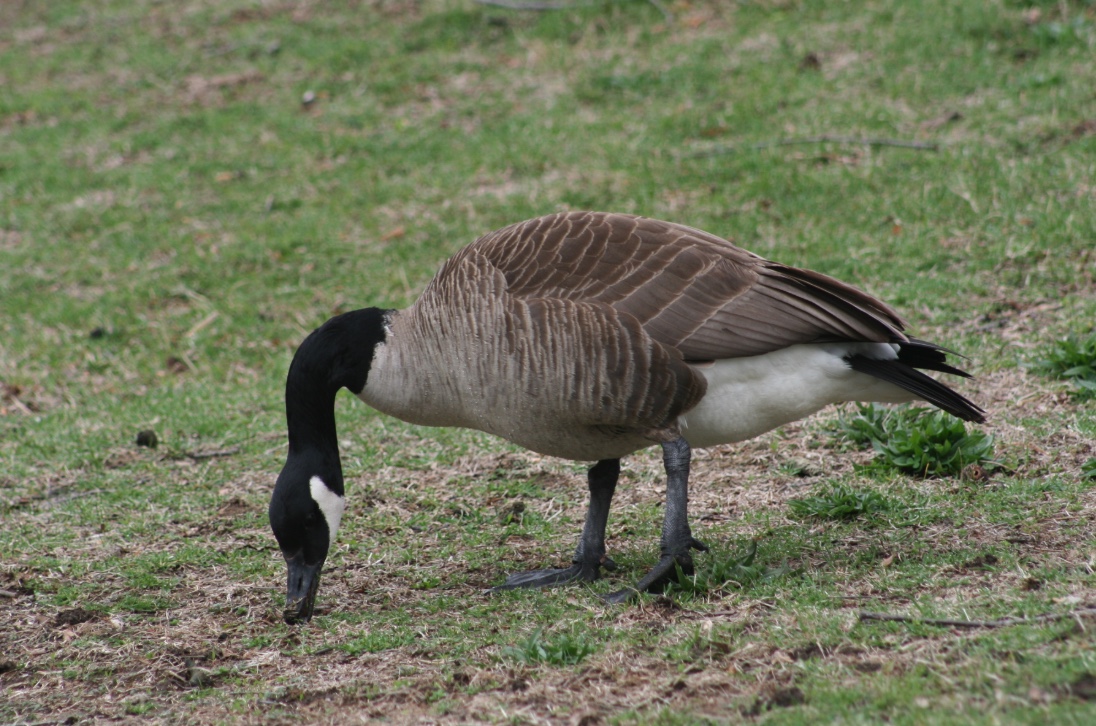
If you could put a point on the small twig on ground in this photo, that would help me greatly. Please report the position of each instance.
(1000, 623)
(824, 139)
(20, 406)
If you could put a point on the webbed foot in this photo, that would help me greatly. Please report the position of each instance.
(578, 572)
(661, 575)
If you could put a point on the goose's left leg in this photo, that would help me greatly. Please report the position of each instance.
(590, 554)
(677, 538)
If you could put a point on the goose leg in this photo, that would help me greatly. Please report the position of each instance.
(677, 538)
(590, 553)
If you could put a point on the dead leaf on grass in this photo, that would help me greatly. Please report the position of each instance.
(394, 233)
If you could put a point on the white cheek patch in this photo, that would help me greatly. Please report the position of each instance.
(330, 503)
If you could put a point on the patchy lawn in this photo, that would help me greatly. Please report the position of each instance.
(186, 189)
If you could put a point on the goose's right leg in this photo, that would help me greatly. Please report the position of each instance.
(677, 537)
(590, 555)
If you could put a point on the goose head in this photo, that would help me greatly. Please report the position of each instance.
(308, 500)
(305, 520)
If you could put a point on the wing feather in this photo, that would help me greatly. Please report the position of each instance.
(687, 288)
(579, 362)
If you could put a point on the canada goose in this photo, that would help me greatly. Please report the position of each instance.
(589, 336)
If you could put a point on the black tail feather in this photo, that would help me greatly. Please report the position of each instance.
(904, 374)
(929, 356)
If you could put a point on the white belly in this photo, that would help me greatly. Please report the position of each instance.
(748, 396)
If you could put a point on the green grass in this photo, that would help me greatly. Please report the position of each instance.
(174, 219)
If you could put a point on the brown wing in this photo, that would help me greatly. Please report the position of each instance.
(572, 361)
(688, 289)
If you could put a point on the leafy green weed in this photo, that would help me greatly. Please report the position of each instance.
(1074, 359)
(840, 502)
(917, 440)
(725, 571)
(559, 650)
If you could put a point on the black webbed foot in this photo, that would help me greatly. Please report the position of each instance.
(578, 572)
(677, 538)
(590, 554)
(697, 545)
(655, 581)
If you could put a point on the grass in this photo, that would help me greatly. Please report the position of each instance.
(175, 217)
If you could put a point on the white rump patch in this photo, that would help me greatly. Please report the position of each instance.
(330, 503)
(752, 395)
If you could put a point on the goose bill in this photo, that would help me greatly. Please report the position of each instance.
(302, 584)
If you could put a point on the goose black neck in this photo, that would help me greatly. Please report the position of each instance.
(336, 355)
